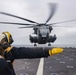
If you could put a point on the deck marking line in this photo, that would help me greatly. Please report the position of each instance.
(40, 67)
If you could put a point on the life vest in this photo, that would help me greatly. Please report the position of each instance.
(8, 49)
(8, 54)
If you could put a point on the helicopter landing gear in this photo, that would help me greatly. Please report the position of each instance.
(35, 44)
(49, 44)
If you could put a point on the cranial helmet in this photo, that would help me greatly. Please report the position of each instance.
(5, 40)
(8, 37)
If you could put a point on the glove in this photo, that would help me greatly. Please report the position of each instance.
(55, 51)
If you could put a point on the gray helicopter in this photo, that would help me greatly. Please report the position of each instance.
(42, 31)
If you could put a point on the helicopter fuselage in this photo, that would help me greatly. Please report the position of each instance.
(42, 35)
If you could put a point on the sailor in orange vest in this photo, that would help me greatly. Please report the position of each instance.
(8, 53)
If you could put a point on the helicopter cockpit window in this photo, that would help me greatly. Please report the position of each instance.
(44, 31)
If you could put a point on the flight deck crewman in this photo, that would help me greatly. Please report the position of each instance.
(8, 53)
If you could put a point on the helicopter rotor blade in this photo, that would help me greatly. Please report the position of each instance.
(18, 17)
(61, 22)
(63, 26)
(53, 7)
(15, 23)
(27, 27)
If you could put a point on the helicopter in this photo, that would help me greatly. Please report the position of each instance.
(42, 31)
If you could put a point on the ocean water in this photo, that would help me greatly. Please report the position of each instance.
(71, 46)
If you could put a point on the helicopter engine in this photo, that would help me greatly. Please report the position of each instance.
(33, 39)
(52, 38)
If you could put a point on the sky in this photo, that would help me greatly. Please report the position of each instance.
(38, 10)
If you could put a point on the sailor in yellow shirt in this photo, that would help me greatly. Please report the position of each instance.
(8, 53)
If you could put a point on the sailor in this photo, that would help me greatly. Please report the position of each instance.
(8, 53)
